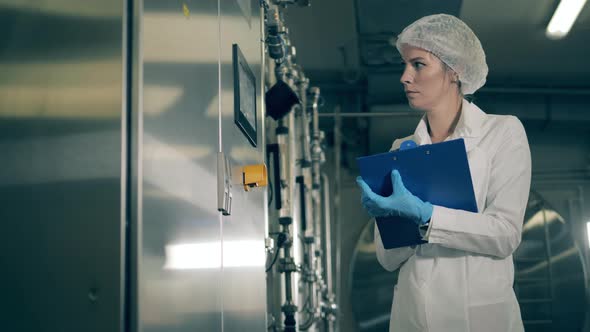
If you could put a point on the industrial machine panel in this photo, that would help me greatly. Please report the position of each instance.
(179, 263)
(61, 141)
(244, 285)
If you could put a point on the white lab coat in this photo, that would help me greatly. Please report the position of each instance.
(461, 280)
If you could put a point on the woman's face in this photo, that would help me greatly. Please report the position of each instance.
(426, 80)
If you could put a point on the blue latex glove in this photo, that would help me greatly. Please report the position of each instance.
(400, 203)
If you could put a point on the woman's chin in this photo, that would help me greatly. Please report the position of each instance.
(415, 106)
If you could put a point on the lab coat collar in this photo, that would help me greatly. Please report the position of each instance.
(469, 125)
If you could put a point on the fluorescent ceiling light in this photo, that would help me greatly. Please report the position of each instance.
(564, 17)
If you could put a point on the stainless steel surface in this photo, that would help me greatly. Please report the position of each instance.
(303, 210)
(549, 276)
(61, 142)
(179, 268)
(244, 284)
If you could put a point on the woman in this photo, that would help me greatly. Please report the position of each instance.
(461, 279)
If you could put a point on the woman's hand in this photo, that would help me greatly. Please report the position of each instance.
(400, 203)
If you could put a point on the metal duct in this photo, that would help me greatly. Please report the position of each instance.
(380, 20)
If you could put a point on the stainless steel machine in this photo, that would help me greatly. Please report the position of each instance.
(301, 291)
(133, 184)
(118, 129)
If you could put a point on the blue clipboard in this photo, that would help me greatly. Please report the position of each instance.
(438, 173)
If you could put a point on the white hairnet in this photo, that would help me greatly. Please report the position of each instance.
(454, 43)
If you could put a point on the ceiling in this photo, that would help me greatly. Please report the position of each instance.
(347, 41)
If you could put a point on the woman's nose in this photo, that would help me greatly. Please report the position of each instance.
(406, 77)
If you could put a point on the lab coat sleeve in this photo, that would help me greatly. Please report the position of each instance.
(497, 230)
(391, 259)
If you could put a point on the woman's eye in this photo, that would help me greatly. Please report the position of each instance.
(418, 65)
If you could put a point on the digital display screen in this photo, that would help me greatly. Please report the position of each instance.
(247, 97)
(244, 96)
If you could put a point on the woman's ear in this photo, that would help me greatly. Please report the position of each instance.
(454, 77)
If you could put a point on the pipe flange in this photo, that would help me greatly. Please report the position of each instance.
(285, 221)
(289, 308)
(287, 265)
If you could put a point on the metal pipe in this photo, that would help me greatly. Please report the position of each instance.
(299, 3)
(492, 89)
(296, 159)
(315, 98)
(310, 305)
(330, 307)
(317, 158)
(287, 265)
(286, 256)
(327, 232)
(304, 124)
(371, 114)
(309, 229)
(337, 156)
(534, 91)
(282, 133)
(317, 153)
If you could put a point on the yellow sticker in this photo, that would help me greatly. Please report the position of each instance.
(185, 10)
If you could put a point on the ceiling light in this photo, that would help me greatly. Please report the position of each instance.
(564, 17)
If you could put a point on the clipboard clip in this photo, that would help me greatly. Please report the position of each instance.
(408, 144)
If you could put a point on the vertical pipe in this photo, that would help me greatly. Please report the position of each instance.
(321, 293)
(282, 133)
(304, 123)
(337, 156)
(304, 223)
(135, 155)
(288, 266)
(331, 308)
(126, 167)
(328, 232)
(284, 138)
(315, 92)
(317, 158)
(292, 160)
